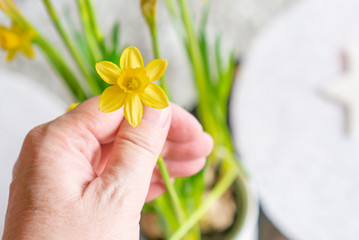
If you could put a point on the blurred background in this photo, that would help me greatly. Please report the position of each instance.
(238, 22)
(292, 117)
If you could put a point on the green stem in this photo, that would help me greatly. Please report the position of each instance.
(194, 52)
(214, 195)
(94, 26)
(175, 16)
(188, 35)
(89, 33)
(78, 58)
(156, 52)
(205, 15)
(208, 110)
(180, 214)
(172, 8)
(93, 22)
(63, 69)
(15, 15)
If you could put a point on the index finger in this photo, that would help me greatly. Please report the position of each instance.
(87, 116)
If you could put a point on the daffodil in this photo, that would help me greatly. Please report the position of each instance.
(15, 40)
(132, 85)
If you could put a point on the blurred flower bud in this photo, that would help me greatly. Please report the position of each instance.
(149, 12)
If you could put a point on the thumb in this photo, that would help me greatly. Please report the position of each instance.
(135, 153)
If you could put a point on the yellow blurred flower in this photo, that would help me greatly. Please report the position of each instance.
(4, 5)
(72, 106)
(15, 40)
(13, 12)
(132, 85)
(8, 6)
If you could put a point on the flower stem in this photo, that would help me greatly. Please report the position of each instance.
(175, 17)
(10, 8)
(93, 23)
(180, 214)
(86, 20)
(76, 55)
(156, 52)
(194, 53)
(60, 65)
(214, 195)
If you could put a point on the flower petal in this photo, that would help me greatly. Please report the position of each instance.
(112, 98)
(3, 28)
(2, 5)
(133, 109)
(27, 50)
(108, 71)
(155, 69)
(72, 106)
(11, 55)
(131, 58)
(154, 97)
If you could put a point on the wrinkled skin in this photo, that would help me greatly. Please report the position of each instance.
(87, 174)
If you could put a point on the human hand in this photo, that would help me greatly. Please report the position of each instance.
(87, 174)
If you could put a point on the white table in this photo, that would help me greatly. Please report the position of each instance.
(291, 136)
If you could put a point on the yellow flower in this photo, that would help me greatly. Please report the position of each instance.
(8, 6)
(13, 12)
(15, 39)
(2, 5)
(132, 85)
(72, 106)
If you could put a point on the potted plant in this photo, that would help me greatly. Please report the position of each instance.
(191, 207)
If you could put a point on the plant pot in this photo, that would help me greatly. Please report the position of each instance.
(246, 227)
(245, 221)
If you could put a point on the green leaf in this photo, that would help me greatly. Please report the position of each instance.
(148, 208)
(205, 57)
(115, 40)
(219, 60)
(225, 87)
(205, 14)
(167, 218)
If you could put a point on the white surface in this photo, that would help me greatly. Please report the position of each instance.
(290, 135)
(23, 105)
(345, 90)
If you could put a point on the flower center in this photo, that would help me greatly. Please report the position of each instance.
(9, 40)
(132, 83)
(133, 80)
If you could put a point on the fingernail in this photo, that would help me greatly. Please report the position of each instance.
(156, 117)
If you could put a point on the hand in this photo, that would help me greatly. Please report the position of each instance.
(87, 174)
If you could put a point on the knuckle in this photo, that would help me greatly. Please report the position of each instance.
(106, 191)
(35, 138)
(36, 133)
(41, 134)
